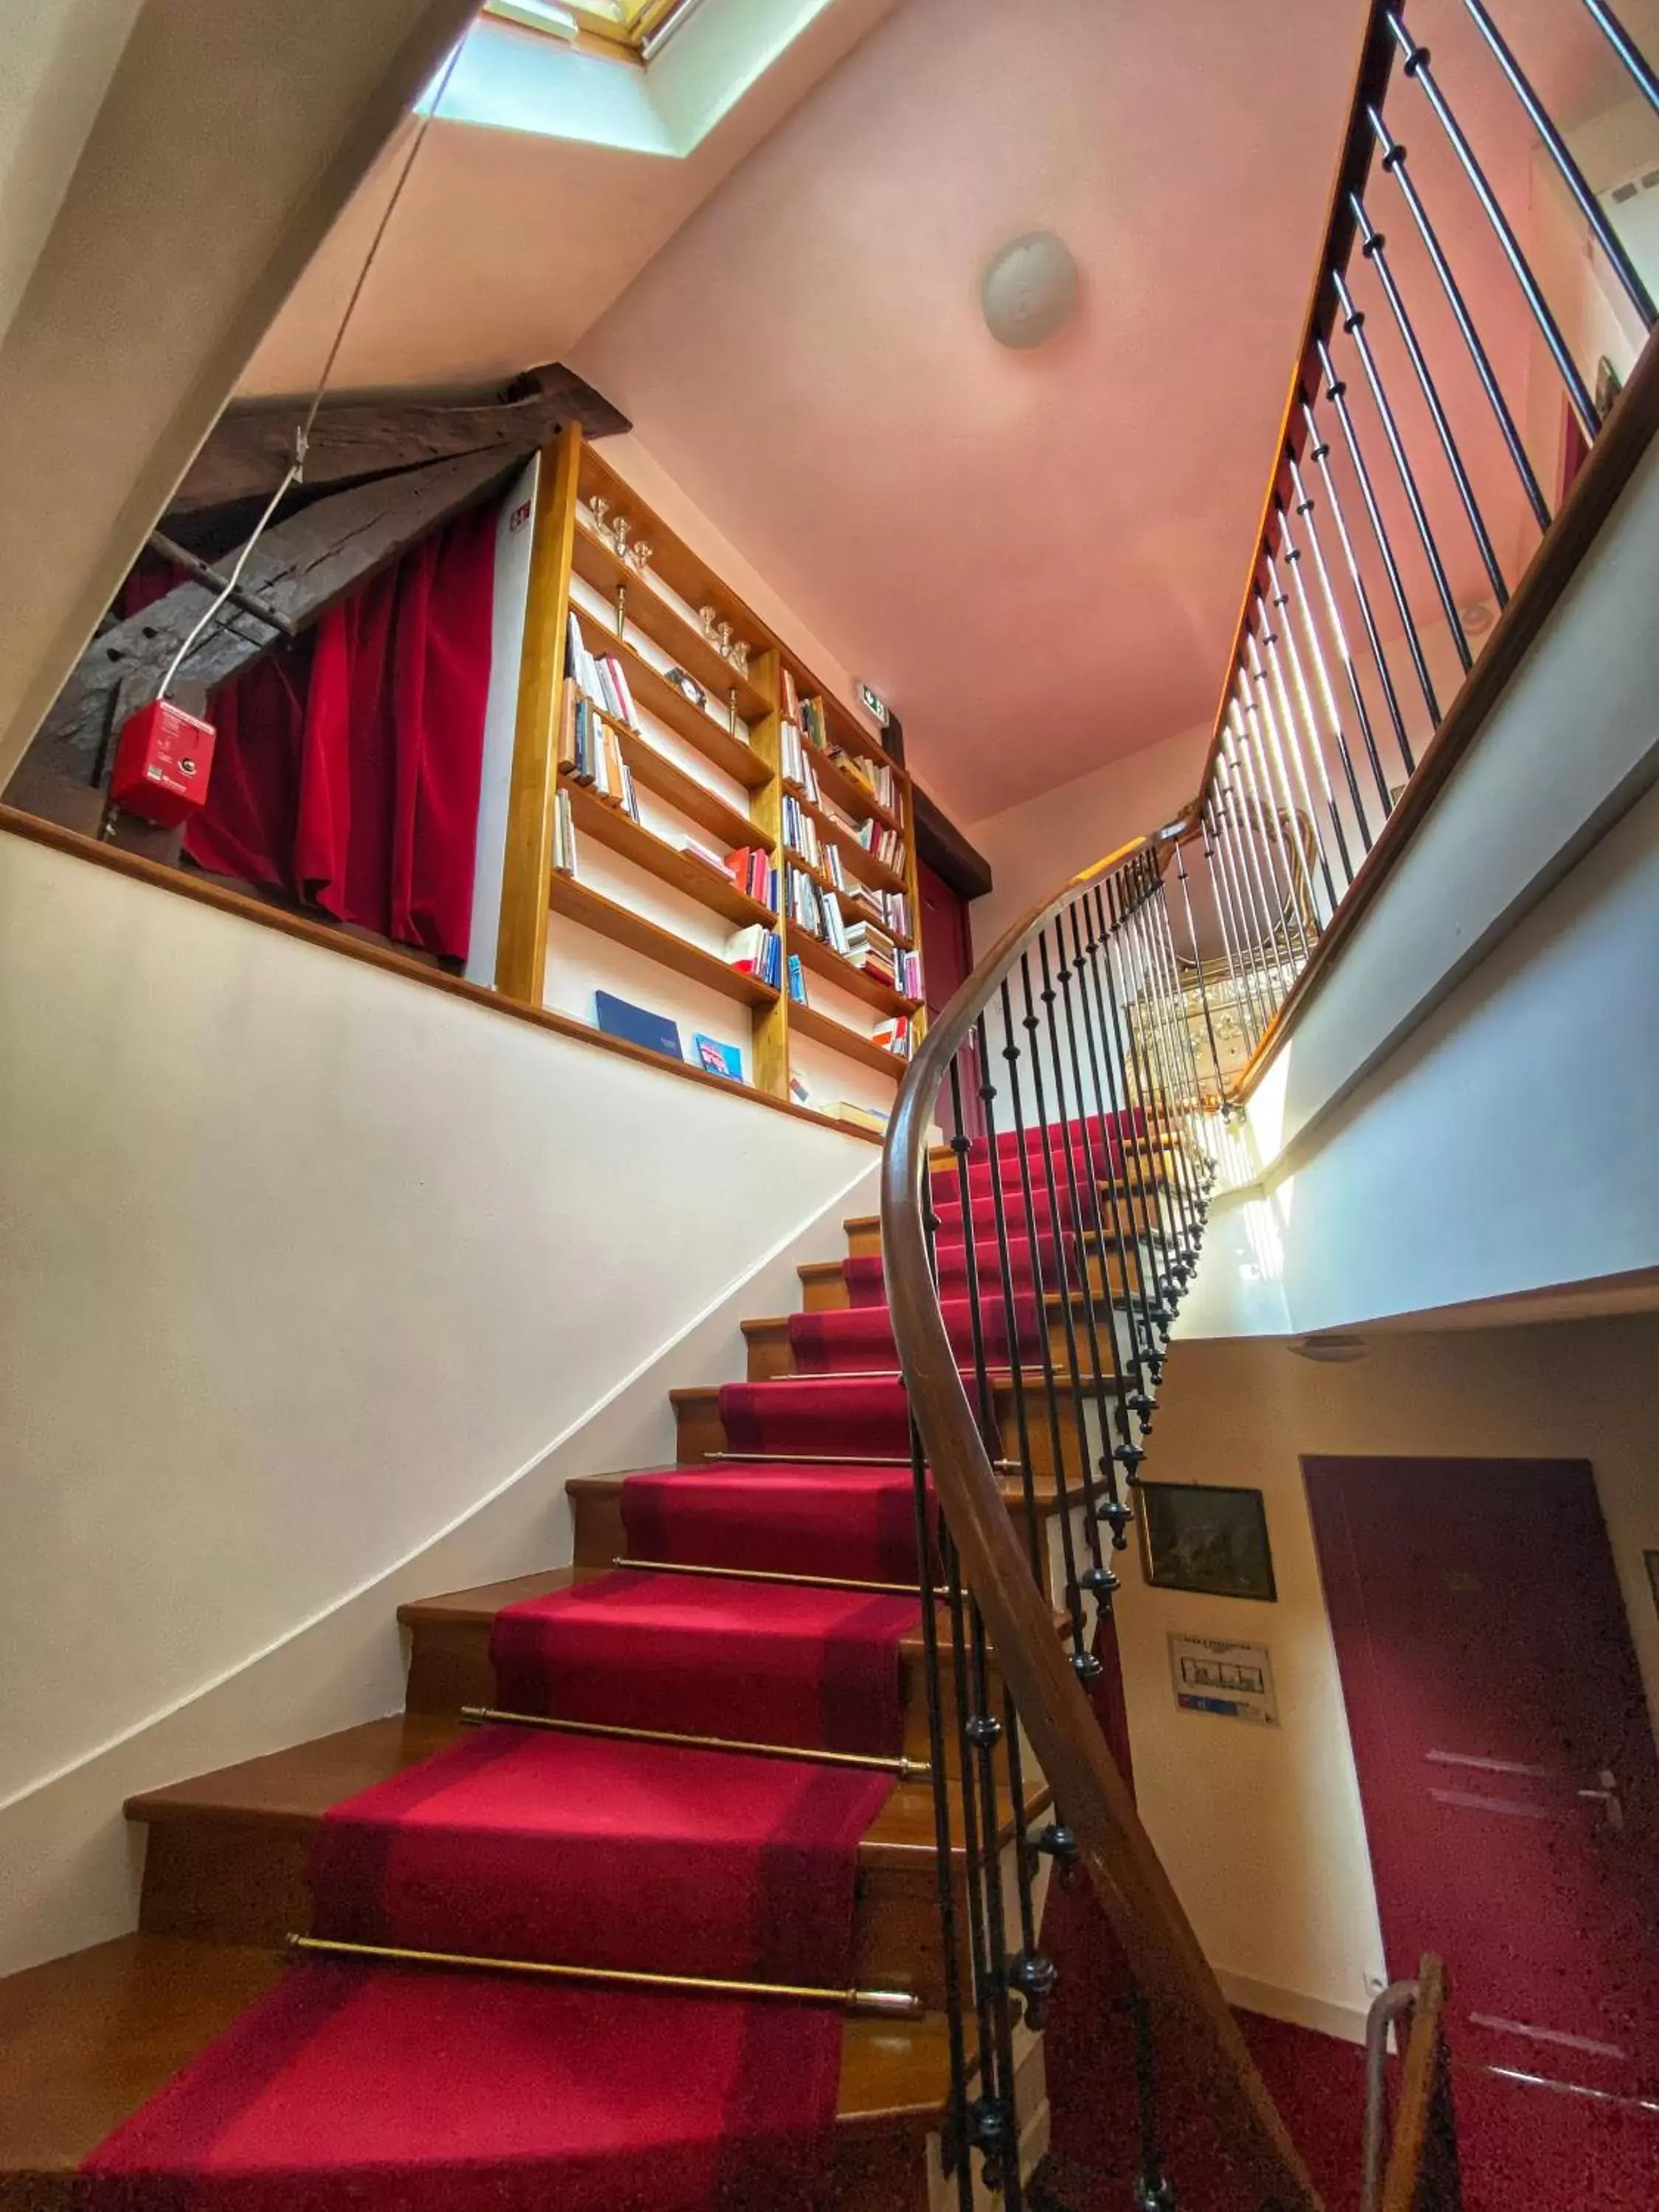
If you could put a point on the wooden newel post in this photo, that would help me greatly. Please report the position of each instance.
(527, 861)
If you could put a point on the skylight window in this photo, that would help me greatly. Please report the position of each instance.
(631, 28)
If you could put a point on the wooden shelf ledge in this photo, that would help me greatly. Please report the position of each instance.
(608, 825)
(824, 1029)
(654, 692)
(824, 960)
(655, 772)
(593, 910)
(601, 565)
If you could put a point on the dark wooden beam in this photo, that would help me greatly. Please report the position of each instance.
(251, 445)
(947, 852)
(297, 570)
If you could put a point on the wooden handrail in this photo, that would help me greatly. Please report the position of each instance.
(1188, 2008)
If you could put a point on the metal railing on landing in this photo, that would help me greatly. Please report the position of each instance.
(1047, 1170)
(1406, 515)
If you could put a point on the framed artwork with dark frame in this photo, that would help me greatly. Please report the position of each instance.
(1196, 1536)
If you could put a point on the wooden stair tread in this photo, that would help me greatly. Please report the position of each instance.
(294, 1788)
(486, 1601)
(87, 2038)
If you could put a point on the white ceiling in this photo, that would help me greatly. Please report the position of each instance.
(1037, 557)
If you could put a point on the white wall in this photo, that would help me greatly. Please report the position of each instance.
(1034, 847)
(1260, 1828)
(307, 1269)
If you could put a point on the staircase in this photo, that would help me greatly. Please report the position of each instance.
(231, 1859)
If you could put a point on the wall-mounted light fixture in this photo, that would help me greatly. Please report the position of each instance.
(1029, 290)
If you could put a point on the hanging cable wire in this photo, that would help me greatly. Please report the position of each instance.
(295, 473)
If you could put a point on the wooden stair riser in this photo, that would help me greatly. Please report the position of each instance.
(700, 1437)
(214, 1875)
(771, 1357)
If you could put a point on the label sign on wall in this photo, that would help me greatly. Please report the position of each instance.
(1213, 1675)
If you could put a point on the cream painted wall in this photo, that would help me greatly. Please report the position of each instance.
(1033, 847)
(1260, 1828)
(307, 1269)
(56, 59)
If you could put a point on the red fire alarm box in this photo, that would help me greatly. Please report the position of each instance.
(161, 764)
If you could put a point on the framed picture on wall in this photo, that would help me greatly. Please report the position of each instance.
(1196, 1536)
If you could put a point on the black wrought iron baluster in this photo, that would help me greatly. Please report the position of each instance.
(1566, 168)
(1127, 1161)
(1030, 1972)
(1353, 322)
(1300, 722)
(1304, 508)
(1336, 390)
(1154, 2191)
(955, 2137)
(1416, 66)
(1126, 1371)
(1098, 1580)
(1157, 1200)
(1275, 706)
(1198, 963)
(1029, 1021)
(1261, 931)
(1144, 1302)
(1292, 554)
(1249, 815)
(1374, 247)
(1280, 866)
(1228, 912)
(1320, 453)
(1070, 1271)
(1394, 164)
(1627, 51)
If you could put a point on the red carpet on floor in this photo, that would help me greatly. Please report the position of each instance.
(863, 1416)
(395, 2090)
(859, 1523)
(772, 1664)
(867, 1286)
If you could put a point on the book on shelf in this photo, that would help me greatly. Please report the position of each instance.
(876, 776)
(792, 764)
(758, 951)
(800, 1094)
(800, 833)
(564, 835)
(791, 697)
(751, 870)
(860, 1117)
(622, 1017)
(591, 753)
(718, 1059)
(814, 728)
(797, 980)
(832, 868)
(599, 678)
(896, 1036)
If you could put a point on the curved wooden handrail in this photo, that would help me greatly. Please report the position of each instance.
(1162, 1951)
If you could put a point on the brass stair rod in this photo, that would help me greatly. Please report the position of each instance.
(897, 2002)
(826, 1459)
(771, 1575)
(907, 1770)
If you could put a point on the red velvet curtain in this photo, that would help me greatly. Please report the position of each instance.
(348, 765)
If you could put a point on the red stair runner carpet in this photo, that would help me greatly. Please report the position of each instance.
(846, 1340)
(867, 1286)
(857, 1523)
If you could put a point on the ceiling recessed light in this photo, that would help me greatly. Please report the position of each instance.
(1029, 289)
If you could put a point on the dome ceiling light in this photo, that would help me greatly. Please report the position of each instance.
(1029, 290)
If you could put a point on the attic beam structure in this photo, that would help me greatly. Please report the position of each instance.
(231, 136)
(300, 568)
(252, 445)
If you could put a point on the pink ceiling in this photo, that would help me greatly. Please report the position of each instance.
(1037, 556)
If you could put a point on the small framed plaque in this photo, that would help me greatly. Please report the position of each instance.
(1196, 1536)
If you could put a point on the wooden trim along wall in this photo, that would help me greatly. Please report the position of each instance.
(527, 866)
(176, 882)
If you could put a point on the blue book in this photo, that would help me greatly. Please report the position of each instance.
(718, 1059)
(620, 1017)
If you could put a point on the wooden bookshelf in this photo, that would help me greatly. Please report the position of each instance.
(824, 1029)
(738, 803)
(712, 887)
(577, 902)
(824, 960)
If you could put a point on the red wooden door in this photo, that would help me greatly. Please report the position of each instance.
(947, 962)
(1505, 1757)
